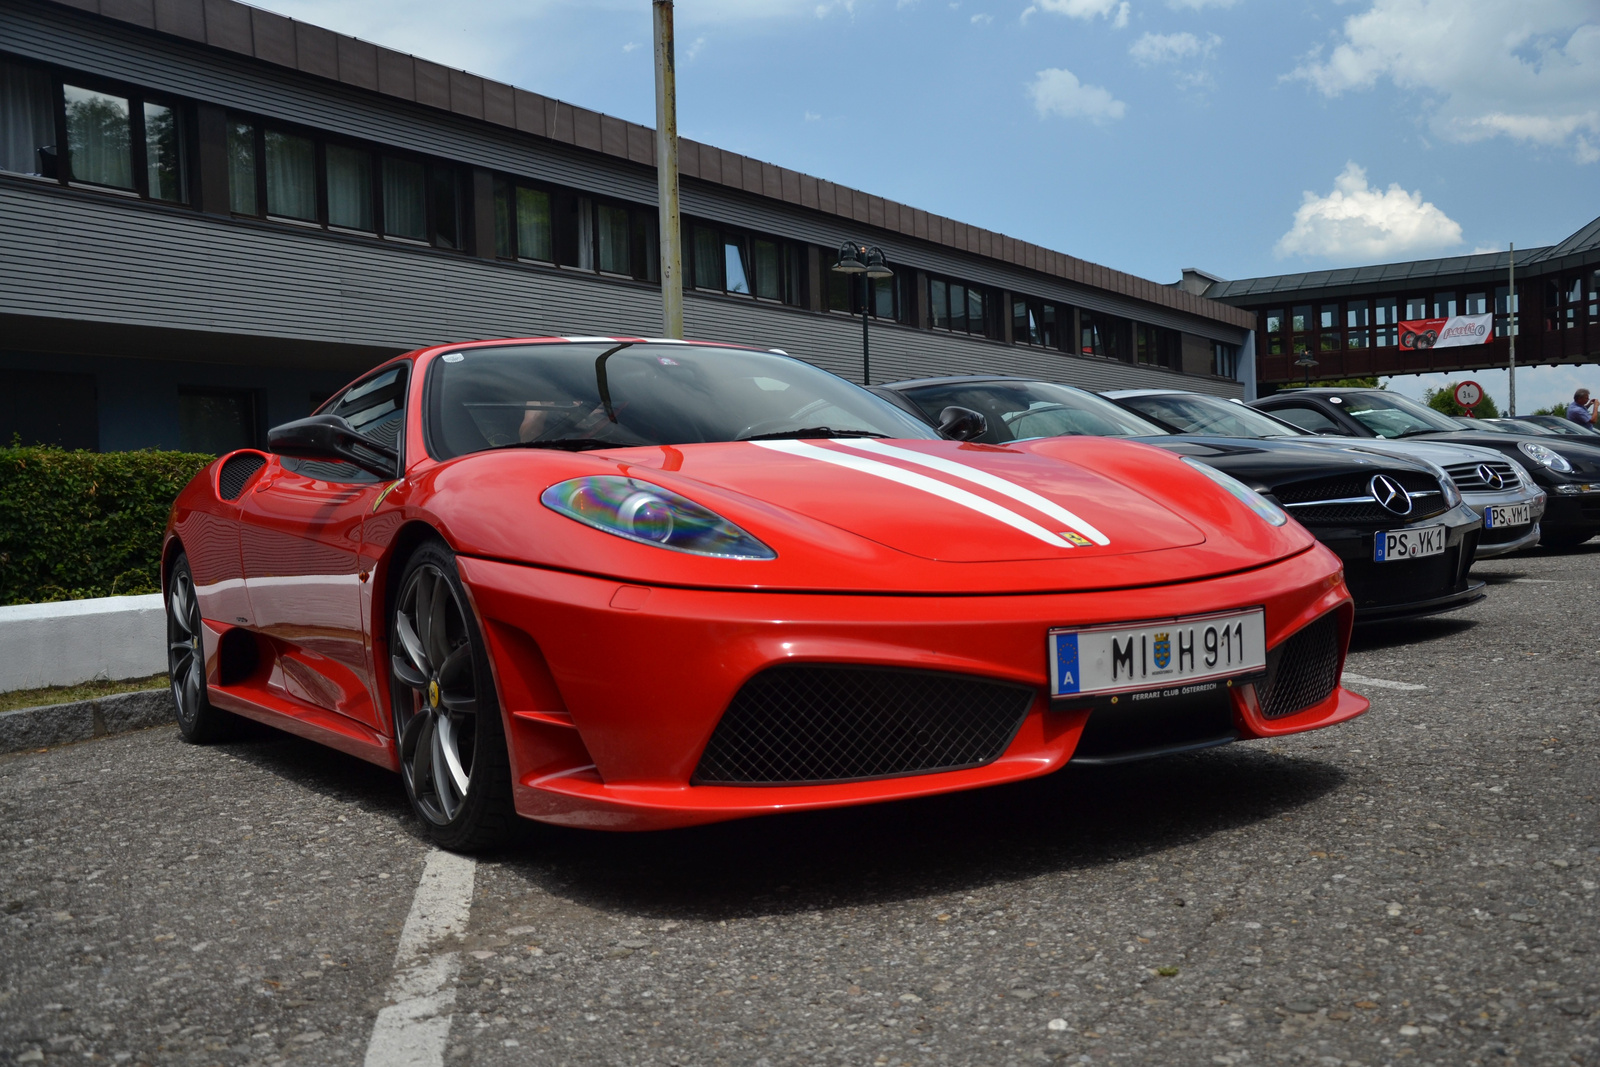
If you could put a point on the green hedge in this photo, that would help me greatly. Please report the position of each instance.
(85, 524)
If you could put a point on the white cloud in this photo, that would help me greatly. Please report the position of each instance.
(694, 48)
(630, 46)
(1171, 47)
(1199, 5)
(1529, 71)
(1358, 222)
(982, 19)
(812, 116)
(1059, 92)
(1116, 10)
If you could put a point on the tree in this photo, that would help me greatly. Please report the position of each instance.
(1444, 399)
(1554, 409)
(1348, 383)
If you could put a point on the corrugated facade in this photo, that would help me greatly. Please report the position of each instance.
(207, 298)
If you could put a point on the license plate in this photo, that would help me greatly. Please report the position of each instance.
(1408, 544)
(1165, 654)
(1501, 515)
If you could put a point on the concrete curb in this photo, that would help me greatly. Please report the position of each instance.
(73, 641)
(58, 724)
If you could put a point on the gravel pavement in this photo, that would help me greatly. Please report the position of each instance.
(1416, 887)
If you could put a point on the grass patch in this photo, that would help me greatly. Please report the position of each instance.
(66, 694)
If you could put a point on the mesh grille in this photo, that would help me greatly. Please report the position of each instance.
(1302, 671)
(817, 723)
(236, 472)
(1468, 480)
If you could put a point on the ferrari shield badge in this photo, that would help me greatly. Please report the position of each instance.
(1162, 651)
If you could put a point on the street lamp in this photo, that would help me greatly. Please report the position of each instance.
(867, 261)
(1307, 362)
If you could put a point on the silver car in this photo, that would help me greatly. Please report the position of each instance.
(1491, 483)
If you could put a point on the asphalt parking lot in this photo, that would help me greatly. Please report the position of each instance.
(1416, 887)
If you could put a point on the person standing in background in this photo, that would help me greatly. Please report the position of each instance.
(1582, 410)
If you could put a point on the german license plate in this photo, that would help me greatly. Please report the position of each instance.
(1408, 544)
(1501, 515)
(1162, 655)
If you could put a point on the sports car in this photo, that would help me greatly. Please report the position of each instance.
(629, 584)
(1399, 525)
(1491, 484)
(1568, 469)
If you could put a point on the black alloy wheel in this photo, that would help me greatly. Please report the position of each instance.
(198, 721)
(452, 744)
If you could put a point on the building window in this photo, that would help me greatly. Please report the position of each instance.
(958, 307)
(216, 420)
(1358, 324)
(1273, 323)
(114, 138)
(1300, 329)
(1103, 335)
(1416, 308)
(1475, 304)
(1505, 305)
(1157, 346)
(285, 174)
(1385, 319)
(745, 264)
(27, 121)
(1594, 295)
(1328, 339)
(1036, 322)
(1224, 360)
(1444, 305)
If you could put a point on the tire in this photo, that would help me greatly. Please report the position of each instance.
(198, 721)
(446, 718)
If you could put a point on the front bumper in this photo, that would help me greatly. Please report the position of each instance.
(609, 692)
(1493, 543)
(1403, 589)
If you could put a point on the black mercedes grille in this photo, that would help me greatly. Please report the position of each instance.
(236, 472)
(1307, 501)
(1302, 671)
(1468, 480)
(828, 723)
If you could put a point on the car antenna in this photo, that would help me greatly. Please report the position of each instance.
(600, 378)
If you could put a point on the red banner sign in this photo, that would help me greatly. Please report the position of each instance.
(1447, 333)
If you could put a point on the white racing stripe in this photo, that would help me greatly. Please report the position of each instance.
(988, 481)
(1360, 680)
(917, 481)
(413, 1030)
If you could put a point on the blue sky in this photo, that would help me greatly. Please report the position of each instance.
(1245, 137)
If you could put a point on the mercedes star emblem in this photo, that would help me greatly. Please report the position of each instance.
(1390, 494)
(1491, 477)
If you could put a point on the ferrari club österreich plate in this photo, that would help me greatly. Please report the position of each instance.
(1162, 655)
(1408, 544)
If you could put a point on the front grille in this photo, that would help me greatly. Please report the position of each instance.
(833, 723)
(1311, 501)
(1301, 671)
(1376, 585)
(1468, 480)
(237, 472)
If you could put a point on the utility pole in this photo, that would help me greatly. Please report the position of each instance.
(1511, 322)
(667, 174)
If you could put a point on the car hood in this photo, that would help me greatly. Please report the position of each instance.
(1584, 457)
(1267, 464)
(1443, 453)
(1052, 514)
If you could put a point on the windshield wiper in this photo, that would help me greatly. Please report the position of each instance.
(811, 431)
(568, 444)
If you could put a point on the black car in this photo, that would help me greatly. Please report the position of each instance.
(1373, 511)
(1566, 468)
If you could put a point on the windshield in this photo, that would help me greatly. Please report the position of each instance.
(1198, 413)
(1020, 410)
(1551, 425)
(616, 395)
(1391, 415)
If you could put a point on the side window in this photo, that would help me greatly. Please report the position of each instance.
(1308, 419)
(375, 407)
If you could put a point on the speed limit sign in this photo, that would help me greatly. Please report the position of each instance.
(1469, 394)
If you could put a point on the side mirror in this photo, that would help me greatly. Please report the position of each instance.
(962, 424)
(328, 437)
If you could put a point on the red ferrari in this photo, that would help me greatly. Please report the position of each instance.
(630, 584)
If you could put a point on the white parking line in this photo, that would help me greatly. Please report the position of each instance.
(1359, 680)
(413, 1030)
(1536, 581)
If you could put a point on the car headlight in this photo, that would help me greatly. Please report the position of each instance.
(651, 515)
(1545, 456)
(1248, 497)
